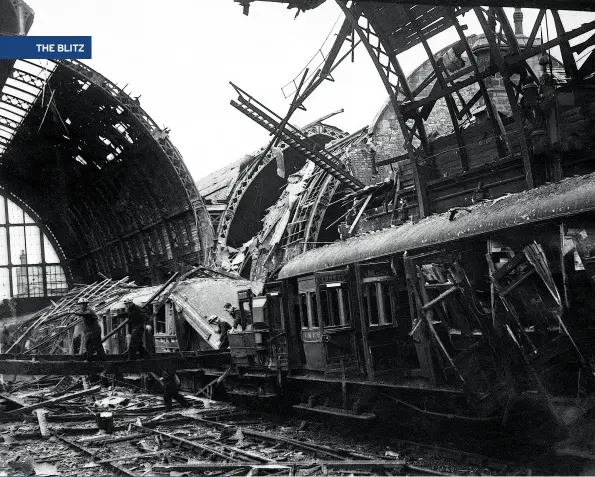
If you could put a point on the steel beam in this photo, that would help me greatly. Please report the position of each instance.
(516, 111)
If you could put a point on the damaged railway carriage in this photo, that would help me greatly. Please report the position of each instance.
(476, 312)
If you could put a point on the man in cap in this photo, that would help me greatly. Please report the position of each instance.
(235, 314)
(93, 343)
(137, 318)
(223, 328)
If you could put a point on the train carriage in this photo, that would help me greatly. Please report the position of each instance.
(469, 313)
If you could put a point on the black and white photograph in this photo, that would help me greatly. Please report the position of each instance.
(297, 238)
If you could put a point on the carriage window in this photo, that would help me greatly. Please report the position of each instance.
(160, 326)
(304, 309)
(274, 312)
(333, 305)
(378, 303)
(387, 314)
(314, 323)
(324, 306)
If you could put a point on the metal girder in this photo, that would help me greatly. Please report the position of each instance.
(516, 111)
(319, 203)
(16, 102)
(497, 126)
(385, 63)
(294, 137)
(450, 103)
(567, 56)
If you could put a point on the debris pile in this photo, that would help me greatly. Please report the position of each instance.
(51, 330)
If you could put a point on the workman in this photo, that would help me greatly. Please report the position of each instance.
(138, 319)
(235, 314)
(171, 382)
(223, 330)
(93, 344)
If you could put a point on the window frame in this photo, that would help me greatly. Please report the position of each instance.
(377, 283)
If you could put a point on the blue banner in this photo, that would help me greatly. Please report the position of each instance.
(45, 47)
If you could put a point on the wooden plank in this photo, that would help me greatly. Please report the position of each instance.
(439, 298)
(50, 402)
(520, 280)
(365, 416)
(13, 399)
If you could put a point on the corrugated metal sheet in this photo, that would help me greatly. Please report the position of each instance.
(569, 197)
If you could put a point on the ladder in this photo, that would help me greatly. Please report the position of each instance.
(294, 138)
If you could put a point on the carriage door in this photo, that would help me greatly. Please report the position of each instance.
(338, 336)
(311, 332)
(275, 318)
(117, 343)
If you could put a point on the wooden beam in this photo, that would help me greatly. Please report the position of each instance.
(72, 365)
(587, 67)
(424, 84)
(512, 40)
(439, 298)
(528, 53)
(419, 179)
(493, 69)
(114, 331)
(50, 402)
(584, 45)
(450, 103)
(467, 109)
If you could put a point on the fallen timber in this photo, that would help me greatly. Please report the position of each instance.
(65, 365)
(57, 400)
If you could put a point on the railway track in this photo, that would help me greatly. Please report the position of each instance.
(228, 441)
(221, 438)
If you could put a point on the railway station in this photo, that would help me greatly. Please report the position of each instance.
(411, 297)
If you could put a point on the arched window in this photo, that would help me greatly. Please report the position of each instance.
(29, 263)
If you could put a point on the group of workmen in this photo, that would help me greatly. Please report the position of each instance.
(137, 318)
(139, 321)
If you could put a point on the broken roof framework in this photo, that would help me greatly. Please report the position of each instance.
(387, 29)
(103, 177)
(252, 176)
